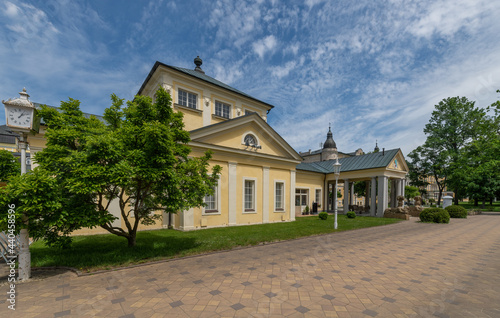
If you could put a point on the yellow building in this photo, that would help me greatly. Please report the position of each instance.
(263, 179)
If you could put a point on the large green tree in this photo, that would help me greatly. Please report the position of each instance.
(9, 166)
(139, 158)
(481, 164)
(454, 124)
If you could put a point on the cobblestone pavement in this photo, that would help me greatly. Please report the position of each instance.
(408, 269)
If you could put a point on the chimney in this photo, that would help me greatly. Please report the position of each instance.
(198, 62)
(383, 151)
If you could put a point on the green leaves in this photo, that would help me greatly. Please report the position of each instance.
(9, 166)
(140, 160)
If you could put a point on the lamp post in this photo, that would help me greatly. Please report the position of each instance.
(21, 117)
(336, 171)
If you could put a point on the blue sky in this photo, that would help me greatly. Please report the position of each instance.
(374, 69)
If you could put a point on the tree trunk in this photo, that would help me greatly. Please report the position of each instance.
(484, 202)
(455, 199)
(131, 239)
(491, 201)
(439, 197)
(476, 202)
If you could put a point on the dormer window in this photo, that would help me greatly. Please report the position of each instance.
(187, 99)
(250, 140)
(222, 109)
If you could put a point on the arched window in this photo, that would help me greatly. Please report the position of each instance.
(250, 140)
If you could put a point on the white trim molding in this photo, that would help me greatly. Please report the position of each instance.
(255, 201)
(283, 199)
(217, 200)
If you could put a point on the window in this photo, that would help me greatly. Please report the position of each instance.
(248, 112)
(187, 99)
(249, 195)
(222, 109)
(301, 197)
(318, 196)
(211, 202)
(279, 189)
(250, 140)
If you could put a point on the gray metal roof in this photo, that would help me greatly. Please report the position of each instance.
(200, 76)
(7, 136)
(362, 162)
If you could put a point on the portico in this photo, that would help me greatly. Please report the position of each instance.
(383, 172)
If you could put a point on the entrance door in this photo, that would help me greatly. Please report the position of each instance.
(301, 200)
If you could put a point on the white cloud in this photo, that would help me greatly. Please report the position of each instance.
(265, 45)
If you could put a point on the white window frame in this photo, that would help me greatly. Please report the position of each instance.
(255, 204)
(217, 211)
(320, 196)
(222, 105)
(283, 197)
(188, 93)
(250, 133)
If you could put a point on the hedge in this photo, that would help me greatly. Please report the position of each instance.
(436, 215)
(457, 211)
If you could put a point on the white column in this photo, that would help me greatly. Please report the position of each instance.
(232, 193)
(398, 188)
(206, 109)
(265, 194)
(373, 197)
(188, 219)
(353, 199)
(325, 196)
(292, 195)
(346, 195)
(382, 195)
(24, 271)
(403, 184)
(393, 187)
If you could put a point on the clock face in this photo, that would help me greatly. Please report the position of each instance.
(19, 117)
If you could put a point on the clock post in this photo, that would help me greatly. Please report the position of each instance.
(21, 117)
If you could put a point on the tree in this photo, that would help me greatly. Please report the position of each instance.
(454, 124)
(360, 188)
(9, 166)
(411, 192)
(417, 178)
(481, 164)
(429, 162)
(139, 159)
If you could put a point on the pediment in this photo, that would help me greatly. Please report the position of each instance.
(247, 133)
(398, 162)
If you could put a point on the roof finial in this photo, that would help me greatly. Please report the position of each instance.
(198, 62)
(377, 149)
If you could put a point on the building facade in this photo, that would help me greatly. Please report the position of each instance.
(263, 179)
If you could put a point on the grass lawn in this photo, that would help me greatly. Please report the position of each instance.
(487, 207)
(96, 252)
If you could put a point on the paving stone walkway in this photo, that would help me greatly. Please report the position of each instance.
(407, 269)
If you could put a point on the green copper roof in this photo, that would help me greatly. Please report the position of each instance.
(362, 162)
(202, 77)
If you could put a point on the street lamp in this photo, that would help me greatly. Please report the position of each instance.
(336, 171)
(21, 117)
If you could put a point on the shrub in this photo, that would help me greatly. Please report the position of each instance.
(436, 215)
(306, 210)
(351, 214)
(323, 215)
(457, 211)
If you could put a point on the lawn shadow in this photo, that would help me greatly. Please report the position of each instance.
(103, 251)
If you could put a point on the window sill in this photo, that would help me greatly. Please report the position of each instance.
(198, 111)
(279, 211)
(211, 212)
(250, 211)
(220, 117)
